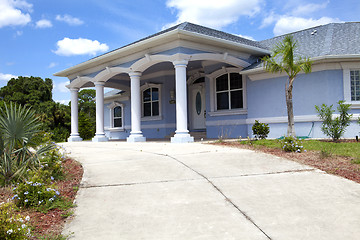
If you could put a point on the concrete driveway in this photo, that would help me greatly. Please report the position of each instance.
(159, 190)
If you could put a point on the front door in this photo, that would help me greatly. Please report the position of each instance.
(197, 101)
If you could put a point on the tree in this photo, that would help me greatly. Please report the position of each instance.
(336, 127)
(283, 60)
(87, 113)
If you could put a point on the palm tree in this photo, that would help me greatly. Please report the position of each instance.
(283, 60)
(18, 126)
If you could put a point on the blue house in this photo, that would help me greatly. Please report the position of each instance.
(190, 78)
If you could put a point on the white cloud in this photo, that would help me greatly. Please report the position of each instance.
(213, 13)
(270, 19)
(11, 14)
(73, 21)
(304, 10)
(80, 46)
(43, 23)
(66, 102)
(52, 64)
(288, 24)
(61, 87)
(247, 37)
(6, 77)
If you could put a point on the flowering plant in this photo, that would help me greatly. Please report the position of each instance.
(13, 226)
(292, 144)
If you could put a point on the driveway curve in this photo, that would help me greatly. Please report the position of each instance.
(158, 190)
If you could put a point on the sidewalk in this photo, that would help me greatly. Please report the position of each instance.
(158, 190)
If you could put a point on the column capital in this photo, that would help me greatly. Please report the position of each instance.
(135, 74)
(99, 83)
(74, 89)
(180, 63)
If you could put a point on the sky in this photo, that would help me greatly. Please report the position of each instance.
(41, 37)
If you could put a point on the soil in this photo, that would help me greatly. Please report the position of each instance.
(336, 165)
(52, 222)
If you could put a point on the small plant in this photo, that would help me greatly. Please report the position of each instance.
(260, 130)
(35, 194)
(334, 128)
(292, 144)
(326, 152)
(12, 225)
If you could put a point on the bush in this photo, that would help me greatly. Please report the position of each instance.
(35, 194)
(260, 130)
(292, 144)
(334, 128)
(12, 225)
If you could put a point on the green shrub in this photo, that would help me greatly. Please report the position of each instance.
(35, 194)
(260, 130)
(334, 128)
(292, 144)
(13, 226)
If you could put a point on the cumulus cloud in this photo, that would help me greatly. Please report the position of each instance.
(213, 13)
(43, 23)
(6, 77)
(11, 13)
(80, 46)
(66, 102)
(73, 21)
(61, 87)
(247, 37)
(288, 24)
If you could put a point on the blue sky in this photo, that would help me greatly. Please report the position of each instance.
(41, 37)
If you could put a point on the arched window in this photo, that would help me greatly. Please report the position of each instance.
(151, 102)
(117, 117)
(229, 92)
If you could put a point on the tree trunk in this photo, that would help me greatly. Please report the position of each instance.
(290, 111)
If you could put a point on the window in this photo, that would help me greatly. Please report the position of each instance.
(117, 117)
(151, 102)
(229, 92)
(355, 85)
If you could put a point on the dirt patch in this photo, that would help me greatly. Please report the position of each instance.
(336, 165)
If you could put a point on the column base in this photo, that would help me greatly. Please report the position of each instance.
(74, 138)
(182, 138)
(136, 138)
(100, 138)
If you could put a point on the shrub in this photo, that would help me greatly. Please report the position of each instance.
(35, 194)
(334, 128)
(12, 225)
(292, 144)
(260, 130)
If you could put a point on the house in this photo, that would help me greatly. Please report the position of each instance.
(191, 78)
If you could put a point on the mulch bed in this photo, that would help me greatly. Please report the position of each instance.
(53, 221)
(336, 165)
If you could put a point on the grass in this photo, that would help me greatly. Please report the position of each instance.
(345, 149)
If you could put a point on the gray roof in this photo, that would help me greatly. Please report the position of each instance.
(325, 40)
(194, 28)
(113, 93)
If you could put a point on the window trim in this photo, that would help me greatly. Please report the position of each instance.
(347, 67)
(144, 88)
(213, 98)
(111, 107)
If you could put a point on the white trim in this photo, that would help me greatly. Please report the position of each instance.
(142, 89)
(272, 120)
(347, 67)
(213, 109)
(111, 107)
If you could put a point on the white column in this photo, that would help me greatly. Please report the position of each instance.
(74, 136)
(135, 134)
(99, 135)
(181, 134)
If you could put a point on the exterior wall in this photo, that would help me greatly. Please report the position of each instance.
(266, 103)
